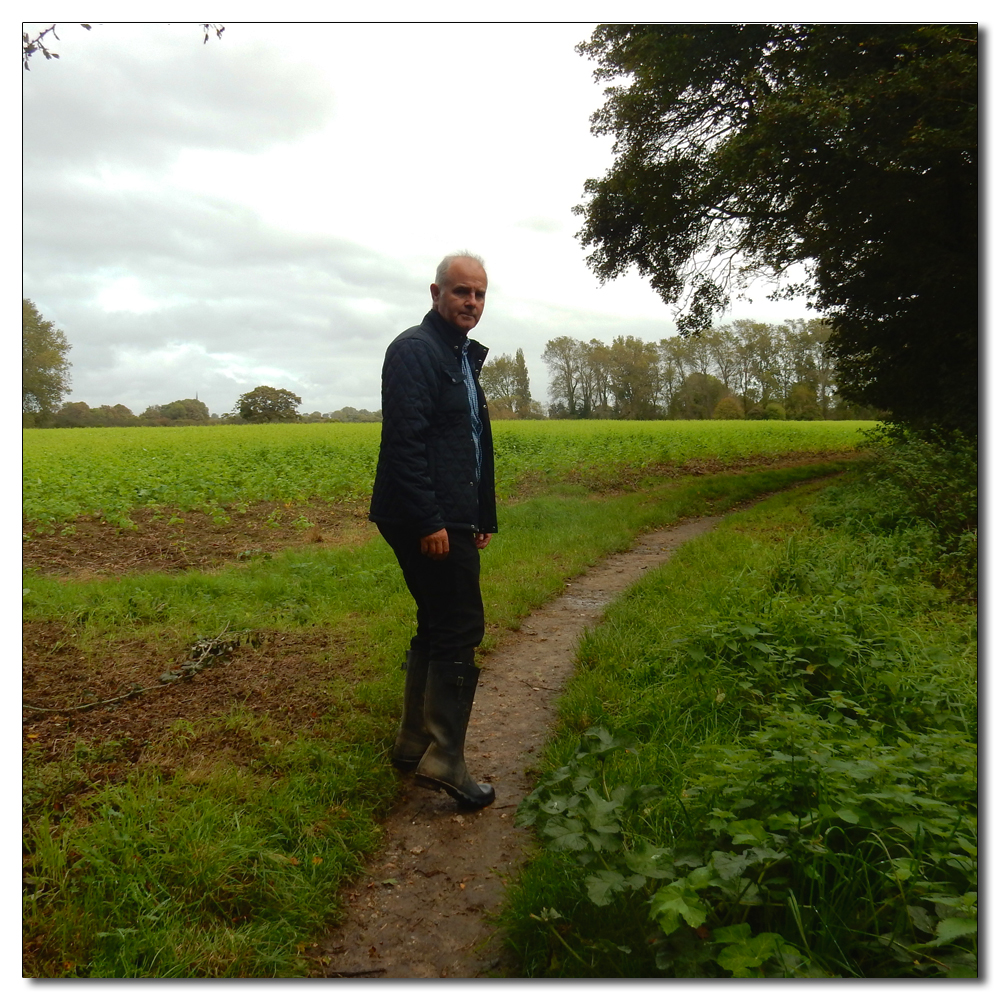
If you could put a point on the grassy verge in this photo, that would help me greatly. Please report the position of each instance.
(187, 866)
(766, 766)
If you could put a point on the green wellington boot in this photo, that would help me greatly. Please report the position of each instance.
(412, 738)
(451, 688)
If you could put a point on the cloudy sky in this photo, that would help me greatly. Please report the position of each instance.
(268, 208)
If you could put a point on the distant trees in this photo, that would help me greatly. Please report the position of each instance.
(180, 409)
(728, 408)
(742, 369)
(566, 360)
(632, 377)
(349, 415)
(44, 366)
(507, 389)
(81, 415)
(698, 398)
(264, 406)
(268, 405)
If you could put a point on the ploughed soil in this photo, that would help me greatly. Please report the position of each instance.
(423, 909)
(164, 542)
(170, 541)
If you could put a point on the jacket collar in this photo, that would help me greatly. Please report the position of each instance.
(455, 338)
(449, 333)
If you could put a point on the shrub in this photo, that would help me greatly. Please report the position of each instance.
(924, 486)
(728, 408)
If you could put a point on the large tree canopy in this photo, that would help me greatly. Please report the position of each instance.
(850, 150)
(266, 404)
(44, 365)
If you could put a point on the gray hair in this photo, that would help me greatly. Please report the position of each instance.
(442, 268)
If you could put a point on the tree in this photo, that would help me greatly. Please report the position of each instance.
(74, 415)
(267, 405)
(848, 150)
(633, 377)
(698, 397)
(594, 395)
(728, 408)
(801, 402)
(522, 388)
(674, 366)
(179, 409)
(108, 415)
(506, 386)
(498, 380)
(812, 362)
(349, 415)
(723, 349)
(44, 366)
(564, 358)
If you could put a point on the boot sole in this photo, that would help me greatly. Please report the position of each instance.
(460, 797)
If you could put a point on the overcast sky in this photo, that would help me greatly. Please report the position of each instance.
(268, 208)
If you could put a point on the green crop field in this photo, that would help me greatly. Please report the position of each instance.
(108, 472)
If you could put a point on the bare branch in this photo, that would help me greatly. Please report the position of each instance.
(30, 46)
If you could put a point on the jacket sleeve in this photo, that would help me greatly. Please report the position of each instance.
(410, 385)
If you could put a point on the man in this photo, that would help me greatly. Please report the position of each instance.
(434, 502)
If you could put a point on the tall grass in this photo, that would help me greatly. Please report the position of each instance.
(213, 877)
(766, 766)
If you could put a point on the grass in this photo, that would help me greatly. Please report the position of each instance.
(765, 766)
(209, 868)
(209, 877)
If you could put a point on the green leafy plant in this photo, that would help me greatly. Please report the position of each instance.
(576, 813)
(808, 708)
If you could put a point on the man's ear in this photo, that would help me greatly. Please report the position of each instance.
(435, 293)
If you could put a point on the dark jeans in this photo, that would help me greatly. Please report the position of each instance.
(450, 621)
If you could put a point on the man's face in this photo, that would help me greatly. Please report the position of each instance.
(460, 298)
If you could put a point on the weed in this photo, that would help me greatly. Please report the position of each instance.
(800, 774)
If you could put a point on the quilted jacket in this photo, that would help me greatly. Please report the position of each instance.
(426, 473)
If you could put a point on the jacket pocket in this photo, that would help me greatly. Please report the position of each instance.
(454, 398)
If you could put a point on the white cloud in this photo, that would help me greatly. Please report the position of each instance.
(125, 295)
(271, 206)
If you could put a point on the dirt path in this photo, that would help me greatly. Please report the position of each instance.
(420, 912)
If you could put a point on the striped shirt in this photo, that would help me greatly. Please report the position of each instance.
(477, 424)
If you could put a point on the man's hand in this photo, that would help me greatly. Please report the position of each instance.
(435, 546)
(482, 540)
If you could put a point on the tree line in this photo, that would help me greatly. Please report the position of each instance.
(740, 370)
(45, 380)
(262, 405)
